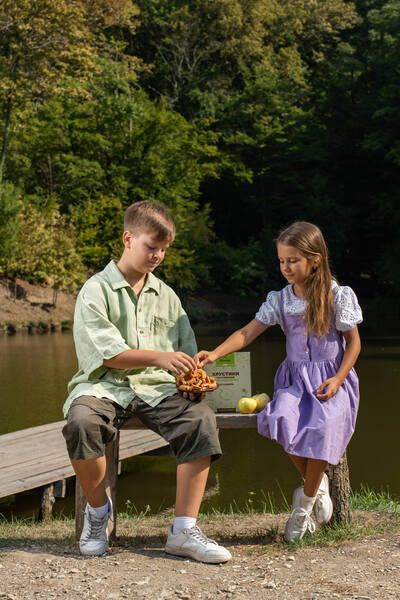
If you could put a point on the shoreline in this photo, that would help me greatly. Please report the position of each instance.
(26, 307)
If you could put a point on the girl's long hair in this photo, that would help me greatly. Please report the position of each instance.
(308, 240)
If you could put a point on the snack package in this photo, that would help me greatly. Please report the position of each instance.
(232, 373)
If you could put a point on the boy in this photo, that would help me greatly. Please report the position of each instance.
(131, 335)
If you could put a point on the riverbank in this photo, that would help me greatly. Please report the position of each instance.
(28, 307)
(360, 561)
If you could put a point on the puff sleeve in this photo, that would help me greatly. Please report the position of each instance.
(269, 312)
(347, 310)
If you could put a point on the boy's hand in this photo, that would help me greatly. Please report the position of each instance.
(328, 388)
(204, 357)
(175, 362)
(193, 396)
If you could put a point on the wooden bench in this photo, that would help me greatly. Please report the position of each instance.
(338, 475)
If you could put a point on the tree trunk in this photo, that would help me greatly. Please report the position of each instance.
(339, 485)
(55, 296)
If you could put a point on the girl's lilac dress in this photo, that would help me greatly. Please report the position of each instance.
(295, 417)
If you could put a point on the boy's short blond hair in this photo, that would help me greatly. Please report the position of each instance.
(150, 217)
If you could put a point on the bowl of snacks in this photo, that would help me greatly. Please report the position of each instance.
(195, 381)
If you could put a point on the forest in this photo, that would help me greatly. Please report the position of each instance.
(240, 116)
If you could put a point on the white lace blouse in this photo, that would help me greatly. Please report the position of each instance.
(347, 310)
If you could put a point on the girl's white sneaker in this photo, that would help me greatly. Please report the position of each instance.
(297, 494)
(298, 524)
(323, 507)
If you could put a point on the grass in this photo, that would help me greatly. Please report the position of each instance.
(265, 504)
(367, 499)
(374, 513)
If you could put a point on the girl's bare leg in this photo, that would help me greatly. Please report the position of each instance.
(300, 463)
(314, 472)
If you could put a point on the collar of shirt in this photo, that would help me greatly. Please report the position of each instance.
(117, 280)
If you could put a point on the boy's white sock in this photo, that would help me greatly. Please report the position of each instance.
(100, 511)
(181, 523)
(307, 502)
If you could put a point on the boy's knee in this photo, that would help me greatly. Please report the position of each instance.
(79, 428)
(201, 438)
(86, 439)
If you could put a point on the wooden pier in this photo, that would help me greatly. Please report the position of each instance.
(37, 457)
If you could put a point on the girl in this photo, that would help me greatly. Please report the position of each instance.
(314, 407)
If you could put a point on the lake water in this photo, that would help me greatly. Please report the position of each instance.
(34, 371)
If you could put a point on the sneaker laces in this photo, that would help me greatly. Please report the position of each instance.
(95, 526)
(197, 534)
(306, 519)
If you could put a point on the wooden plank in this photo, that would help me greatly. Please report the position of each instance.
(30, 432)
(30, 469)
(44, 452)
(30, 445)
(236, 421)
(41, 465)
(37, 456)
(49, 440)
(31, 483)
(42, 469)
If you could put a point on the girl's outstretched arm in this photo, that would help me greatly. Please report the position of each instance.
(236, 341)
(328, 388)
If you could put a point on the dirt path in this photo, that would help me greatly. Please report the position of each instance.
(42, 562)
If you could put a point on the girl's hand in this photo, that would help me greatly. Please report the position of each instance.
(204, 357)
(328, 388)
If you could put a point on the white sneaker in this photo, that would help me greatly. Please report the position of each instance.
(323, 506)
(299, 522)
(194, 544)
(94, 537)
(297, 494)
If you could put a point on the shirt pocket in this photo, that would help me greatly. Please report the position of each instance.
(166, 332)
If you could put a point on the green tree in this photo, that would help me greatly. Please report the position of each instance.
(42, 44)
(116, 146)
(46, 250)
(9, 208)
(98, 230)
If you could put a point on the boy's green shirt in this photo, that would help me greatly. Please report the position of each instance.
(109, 319)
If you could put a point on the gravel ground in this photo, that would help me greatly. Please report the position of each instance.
(42, 562)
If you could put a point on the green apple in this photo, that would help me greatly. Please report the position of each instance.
(262, 400)
(246, 405)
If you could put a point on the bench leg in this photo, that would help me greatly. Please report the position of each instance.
(112, 451)
(48, 500)
(339, 485)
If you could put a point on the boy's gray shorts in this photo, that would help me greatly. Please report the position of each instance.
(189, 427)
